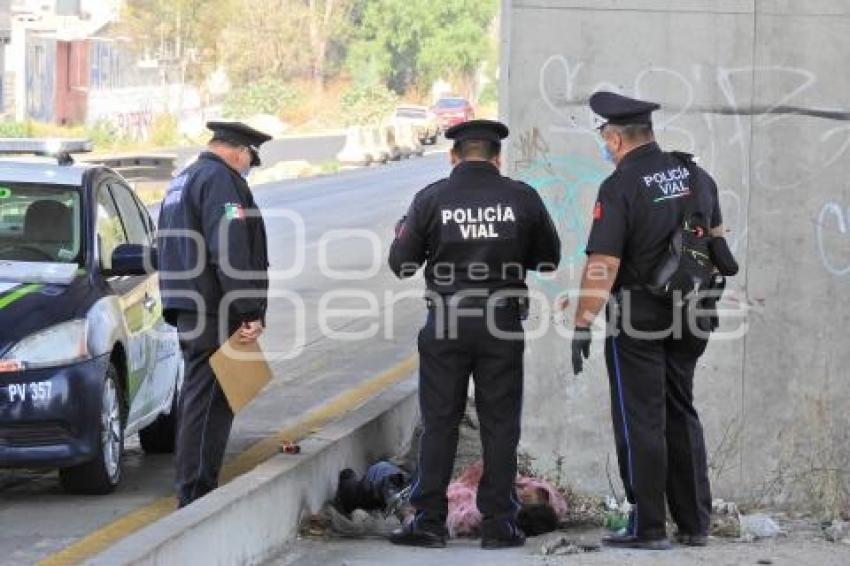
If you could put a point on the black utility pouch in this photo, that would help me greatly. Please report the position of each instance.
(686, 267)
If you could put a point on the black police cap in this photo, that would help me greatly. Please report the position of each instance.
(621, 110)
(240, 134)
(485, 130)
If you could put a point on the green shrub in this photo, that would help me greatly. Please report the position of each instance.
(104, 134)
(12, 129)
(265, 96)
(367, 105)
(165, 130)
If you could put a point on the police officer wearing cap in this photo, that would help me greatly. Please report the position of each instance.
(659, 438)
(477, 233)
(213, 284)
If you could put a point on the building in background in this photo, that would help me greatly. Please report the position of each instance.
(69, 65)
(5, 36)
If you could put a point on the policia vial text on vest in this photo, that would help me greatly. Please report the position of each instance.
(652, 217)
(478, 224)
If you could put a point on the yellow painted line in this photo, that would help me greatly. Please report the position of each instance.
(246, 461)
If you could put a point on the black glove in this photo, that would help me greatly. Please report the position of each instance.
(581, 347)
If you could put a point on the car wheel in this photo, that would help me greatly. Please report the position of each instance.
(159, 436)
(103, 473)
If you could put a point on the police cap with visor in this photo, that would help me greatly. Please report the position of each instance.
(240, 135)
(619, 110)
(481, 130)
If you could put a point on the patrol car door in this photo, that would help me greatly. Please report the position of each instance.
(161, 349)
(129, 291)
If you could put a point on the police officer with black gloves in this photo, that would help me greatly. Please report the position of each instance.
(651, 196)
(213, 262)
(477, 233)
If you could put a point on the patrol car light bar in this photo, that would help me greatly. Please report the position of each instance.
(58, 148)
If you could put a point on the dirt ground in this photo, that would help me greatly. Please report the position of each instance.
(801, 544)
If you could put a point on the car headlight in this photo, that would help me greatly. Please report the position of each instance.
(57, 345)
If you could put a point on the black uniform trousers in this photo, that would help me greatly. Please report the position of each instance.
(204, 417)
(659, 437)
(496, 365)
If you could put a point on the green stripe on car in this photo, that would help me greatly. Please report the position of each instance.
(18, 293)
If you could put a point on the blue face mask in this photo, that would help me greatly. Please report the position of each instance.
(605, 153)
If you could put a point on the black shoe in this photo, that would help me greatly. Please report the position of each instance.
(410, 535)
(692, 540)
(504, 535)
(632, 541)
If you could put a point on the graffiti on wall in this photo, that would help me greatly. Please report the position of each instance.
(719, 133)
(831, 236)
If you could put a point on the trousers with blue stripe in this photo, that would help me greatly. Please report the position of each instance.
(659, 437)
(445, 366)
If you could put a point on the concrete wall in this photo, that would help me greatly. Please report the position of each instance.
(758, 89)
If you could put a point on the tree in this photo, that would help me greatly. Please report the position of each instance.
(284, 39)
(405, 42)
(327, 20)
(266, 41)
(182, 35)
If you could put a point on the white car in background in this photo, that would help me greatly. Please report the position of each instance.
(423, 121)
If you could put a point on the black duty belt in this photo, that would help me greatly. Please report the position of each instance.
(477, 302)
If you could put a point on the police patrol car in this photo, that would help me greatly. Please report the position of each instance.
(85, 356)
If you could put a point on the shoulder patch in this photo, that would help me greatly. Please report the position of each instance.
(234, 211)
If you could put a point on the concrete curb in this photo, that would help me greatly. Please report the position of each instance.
(254, 517)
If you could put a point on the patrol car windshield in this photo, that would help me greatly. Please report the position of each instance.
(39, 223)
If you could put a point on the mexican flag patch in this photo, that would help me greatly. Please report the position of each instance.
(234, 211)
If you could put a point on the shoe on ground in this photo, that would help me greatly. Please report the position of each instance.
(505, 535)
(692, 540)
(411, 535)
(632, 541)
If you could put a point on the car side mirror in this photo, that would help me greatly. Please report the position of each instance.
(134, 259)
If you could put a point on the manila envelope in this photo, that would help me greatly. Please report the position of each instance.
(242, 372)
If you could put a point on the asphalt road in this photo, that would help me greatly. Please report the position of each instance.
(310, 366)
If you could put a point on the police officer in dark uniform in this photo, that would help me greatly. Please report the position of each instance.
(658, 434)
(210, 199)
(477, 233)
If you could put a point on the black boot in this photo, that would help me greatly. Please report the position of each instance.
(501, 534)
(411, 535)
(692, 540)
(627, 538)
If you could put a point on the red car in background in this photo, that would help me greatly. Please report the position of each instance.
(452, 110)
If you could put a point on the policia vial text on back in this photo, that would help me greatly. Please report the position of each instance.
(477, 233)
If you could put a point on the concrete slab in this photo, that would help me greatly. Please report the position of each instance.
(797, 550)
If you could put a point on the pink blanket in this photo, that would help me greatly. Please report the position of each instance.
(464, 518)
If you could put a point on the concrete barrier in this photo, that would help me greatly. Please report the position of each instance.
(254, 518)
(380, 150)
(408, 138)
(397, 151)
(356, 150)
